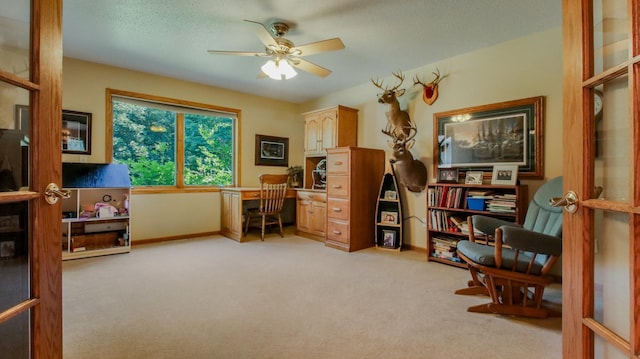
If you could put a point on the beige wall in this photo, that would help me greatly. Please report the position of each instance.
(167, 215)
(526, 67)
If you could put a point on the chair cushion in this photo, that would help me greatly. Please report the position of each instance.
(485, 255)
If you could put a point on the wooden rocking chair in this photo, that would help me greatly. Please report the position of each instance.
(515, 272)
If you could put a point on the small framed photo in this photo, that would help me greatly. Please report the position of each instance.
(76, 132)
(448, 175)
(388, 217)
(388, 238)
(473, 177)
(390, 195)
(7, 249)
(505, 174)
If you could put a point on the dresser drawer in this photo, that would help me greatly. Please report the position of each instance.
(338, 231)
(247, 195)
(338, 163)
(338, 208)
(337, 186)
(312, 196)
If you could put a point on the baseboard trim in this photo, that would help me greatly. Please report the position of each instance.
(410, 247)
(172, 238)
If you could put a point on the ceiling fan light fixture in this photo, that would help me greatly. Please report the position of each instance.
(277, 69)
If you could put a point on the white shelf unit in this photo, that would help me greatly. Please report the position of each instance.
(84, 234)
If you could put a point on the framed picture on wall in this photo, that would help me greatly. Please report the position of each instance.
(76, 132)
(272, 151)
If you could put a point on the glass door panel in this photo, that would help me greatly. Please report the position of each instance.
(14, 138)
(610, 34)
(611, 272)
(613, 141)
(14, 42)
(604, 349)
(15, 341)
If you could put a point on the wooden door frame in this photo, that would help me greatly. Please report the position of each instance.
(45, 255)
(578, 240)
(575, 337)
(46, 167)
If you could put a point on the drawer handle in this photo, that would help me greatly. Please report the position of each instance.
(256, 194)
(338, 163)
(337, 186)
(337, 210)
(335, 231)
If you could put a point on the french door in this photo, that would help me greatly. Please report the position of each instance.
(601, 161)
(30, 159)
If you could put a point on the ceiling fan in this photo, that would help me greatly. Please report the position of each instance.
(283, 54)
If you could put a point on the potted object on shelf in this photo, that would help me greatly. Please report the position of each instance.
(295, 176)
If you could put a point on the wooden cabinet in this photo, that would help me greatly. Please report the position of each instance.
(231, 219)
(389, 214)
(352, 196)
(329, 128)
(449, 205)
(311, 214)
(96, 215)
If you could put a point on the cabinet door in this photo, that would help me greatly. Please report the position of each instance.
(303, 214)
(318, 218)
(328, 123)
(231, 221)
(312, 132)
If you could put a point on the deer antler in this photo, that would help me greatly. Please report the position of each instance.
(400, 77)
(416, 81)
(379, 84)
(413, 131)
(437, 79)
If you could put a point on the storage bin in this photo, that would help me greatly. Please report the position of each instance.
(476, 204)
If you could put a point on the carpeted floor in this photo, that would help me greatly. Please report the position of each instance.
(283, 298)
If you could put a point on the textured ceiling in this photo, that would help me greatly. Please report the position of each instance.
(171, 37)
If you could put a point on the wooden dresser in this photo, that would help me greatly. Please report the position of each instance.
(353, 179)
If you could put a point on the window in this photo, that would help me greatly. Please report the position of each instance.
(172, 143)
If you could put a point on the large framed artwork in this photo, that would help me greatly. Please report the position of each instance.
(478, 138)
(272, 151)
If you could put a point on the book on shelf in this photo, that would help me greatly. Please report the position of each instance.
(450, 257)
(480, 193)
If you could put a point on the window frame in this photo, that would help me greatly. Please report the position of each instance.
(179, 187)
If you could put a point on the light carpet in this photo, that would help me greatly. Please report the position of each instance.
(283, 298)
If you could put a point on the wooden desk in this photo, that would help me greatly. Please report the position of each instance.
(234, 201)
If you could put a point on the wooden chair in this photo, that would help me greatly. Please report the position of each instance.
(273, 190)
(515, 270)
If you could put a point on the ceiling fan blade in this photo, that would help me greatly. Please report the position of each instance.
(317, 47)
(264, 35)
(237, 53)
(310, 67)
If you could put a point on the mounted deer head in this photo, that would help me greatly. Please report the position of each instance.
(430, 90)
(398, 121)
(411, 173)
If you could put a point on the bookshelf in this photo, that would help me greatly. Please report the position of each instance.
(389, 215)
(449, 205)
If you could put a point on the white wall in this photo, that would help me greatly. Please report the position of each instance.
(175, 214)
(525, 67)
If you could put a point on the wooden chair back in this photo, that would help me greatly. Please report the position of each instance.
(273, 190)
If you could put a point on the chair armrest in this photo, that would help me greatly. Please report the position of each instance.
(526, 240)
(488, 225)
